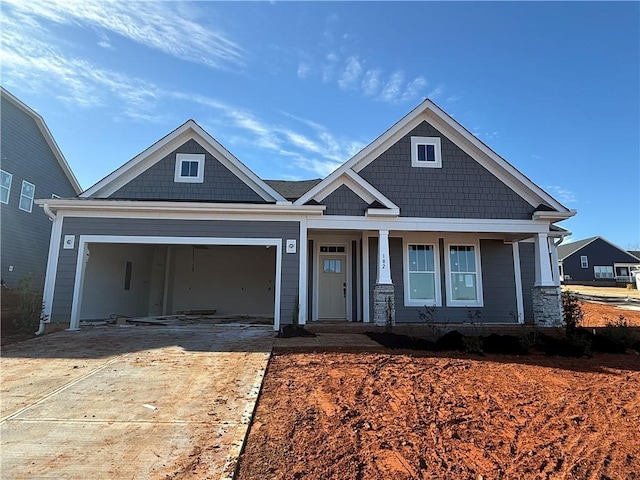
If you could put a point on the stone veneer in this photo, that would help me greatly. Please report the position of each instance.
(547, 306)
(382, 293)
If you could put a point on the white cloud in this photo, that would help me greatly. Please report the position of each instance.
(393, 88)
(414, 89)
(350, 74)
(563, 194)
(303, 70)
(371, 82)
(163, 26)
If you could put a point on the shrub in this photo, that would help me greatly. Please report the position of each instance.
(572, 313)
(30, 307)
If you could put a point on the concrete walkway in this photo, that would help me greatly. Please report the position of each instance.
(130, 402)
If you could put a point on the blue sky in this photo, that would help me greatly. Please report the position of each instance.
(294, 89)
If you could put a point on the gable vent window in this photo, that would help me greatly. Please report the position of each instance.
(426, 152)
(189, 168)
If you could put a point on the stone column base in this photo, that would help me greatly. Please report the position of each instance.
(547, 306)
(383, 304)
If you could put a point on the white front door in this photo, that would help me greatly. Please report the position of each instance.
(332, 299)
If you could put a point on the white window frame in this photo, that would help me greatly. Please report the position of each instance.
(24, 183)
(584, 261)
(598, 274)
(189, 157)
(447, 262)
(408, 301)
(8, 189)
(435, 141)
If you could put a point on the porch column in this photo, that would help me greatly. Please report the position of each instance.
(384, 311)
(555, 264)
(547, 303)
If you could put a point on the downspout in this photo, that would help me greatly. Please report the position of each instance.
(52, 217)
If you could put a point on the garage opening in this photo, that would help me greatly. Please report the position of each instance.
(144, 280)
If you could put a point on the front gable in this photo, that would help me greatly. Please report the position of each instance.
(344, 201)
(158, 181)
(459, 188)
(154, 173)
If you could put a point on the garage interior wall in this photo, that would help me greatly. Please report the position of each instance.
(104, 293)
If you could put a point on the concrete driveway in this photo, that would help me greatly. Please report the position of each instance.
(145, 402)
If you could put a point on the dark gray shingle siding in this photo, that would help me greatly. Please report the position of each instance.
(343, 201)
(462, 188)
(157, 182)
(27, 156)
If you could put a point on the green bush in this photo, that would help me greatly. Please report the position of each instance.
(572, 313)
(30, 307)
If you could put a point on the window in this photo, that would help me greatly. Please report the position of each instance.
(603, 272)
(332, 266)
(464, 278)
(331, 249)
(189, 168)
(584, 262)
(5, 187)
(423, 285)
(426, 152)
(26, 196)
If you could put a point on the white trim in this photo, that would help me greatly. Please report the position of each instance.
(555, 271)
(48, 137)
(518, 282)
(52, 267)
(420, 141)
(365, 278)
(383, 276)
(24, 182)
(544, 276)
(303, 273)
(353, 181)
(87, 239)
(156, 152)
(5, 187)
(189, 157)
(593, 240)
(478, 273)
(428, 224)
(331, 240)
(433, 242)
(584, 261)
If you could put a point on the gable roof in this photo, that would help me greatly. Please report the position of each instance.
(430, 112)
(292, 189)
(635, 253)
(46, 133)
(569, 249)
(156, 152)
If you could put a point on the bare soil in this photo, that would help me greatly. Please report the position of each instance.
(372, 416)
(599, 314)
(603, 291)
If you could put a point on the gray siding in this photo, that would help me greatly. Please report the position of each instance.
(599, 253)
(343, 201)
(156, 183)
(462, 188)
(65, 278)
(27, 156)
(497, 279)
(528, 274)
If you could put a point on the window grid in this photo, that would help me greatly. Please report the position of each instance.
(26, 196)
(584, 261)
(422, 272)
(5, 186)
(463, 274)
(603, 271)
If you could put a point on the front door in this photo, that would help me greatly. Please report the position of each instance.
(332, 287)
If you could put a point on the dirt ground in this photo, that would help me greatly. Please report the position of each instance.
(598, 314)
(603, 291)
(403, 416)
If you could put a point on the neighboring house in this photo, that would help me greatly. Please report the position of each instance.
(597, 261)
(425, 215)
(32, 167)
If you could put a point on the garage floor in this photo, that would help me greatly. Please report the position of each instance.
(130, 402)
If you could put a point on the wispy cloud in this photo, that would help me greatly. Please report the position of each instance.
(164, 26)
(350, 74)
(392, 89)
(563, 194)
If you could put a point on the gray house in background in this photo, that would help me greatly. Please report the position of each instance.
(425, 215)
(32, 167)
(596, 261)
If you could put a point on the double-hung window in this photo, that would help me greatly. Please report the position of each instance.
(464, 280)
(422, 275)
(26, 196)
(584, 261)
(189, 168)
(5, 186)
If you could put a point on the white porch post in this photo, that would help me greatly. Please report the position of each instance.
(547, 305)
(384, 267)
(384, 309)
(544, 277)
(555, 264)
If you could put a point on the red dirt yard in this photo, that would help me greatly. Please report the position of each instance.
(446, 416)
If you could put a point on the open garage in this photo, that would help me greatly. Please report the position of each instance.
(140, 280)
